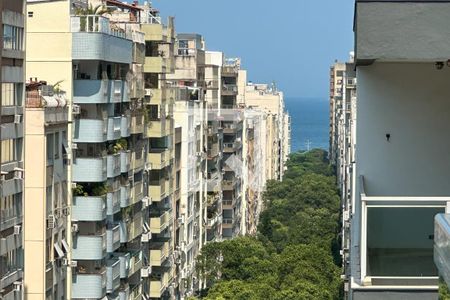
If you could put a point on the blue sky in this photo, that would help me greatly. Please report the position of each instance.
(290, 41)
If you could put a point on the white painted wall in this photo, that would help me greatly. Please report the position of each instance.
(412, 103)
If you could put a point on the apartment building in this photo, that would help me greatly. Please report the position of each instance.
(94, 62)
(254, 162)
(270, 100)
(46, 230)
(12, 90)
(400, 170)
(337, 71)
(160, 131)
(191, 115)
(213, 75)
(231, 109)
(344, 154)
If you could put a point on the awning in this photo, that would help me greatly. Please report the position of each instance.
(65, 246)
(58, 250)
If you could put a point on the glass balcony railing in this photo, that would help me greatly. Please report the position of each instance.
(89, 208)
(89, 247)
(89, 285)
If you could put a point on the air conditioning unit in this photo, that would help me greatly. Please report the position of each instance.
(51, 220)
(17, 119)
(145, 237)
(76, 110)
(74, 146)
(18, 173)
(17, 229)
(146, 201)
(18, 286)
(65, 261)
(180, 220)
(66, 211)
(74, 227)
(145, 272)
(73, 263)
(195, 224)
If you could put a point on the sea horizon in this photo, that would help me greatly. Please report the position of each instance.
(309, 122)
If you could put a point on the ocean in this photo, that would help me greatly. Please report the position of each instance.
(309, 123)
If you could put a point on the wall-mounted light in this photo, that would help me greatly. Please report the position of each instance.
(388, 137)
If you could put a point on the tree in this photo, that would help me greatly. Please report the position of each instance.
(292, 256)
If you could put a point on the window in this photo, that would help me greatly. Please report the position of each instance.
(12, 37)
(8, 151)
(8, 94)
(50, 147)
(57, 145)
(153, 112)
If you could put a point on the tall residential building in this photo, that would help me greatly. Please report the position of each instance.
(12, 19)
(270, 100)
(160, 131)
(45, 229)
(191, 114)
(336, 97)
(401, 170)
(231, 110)
(344, 154)
(94, 62)
(213, 71)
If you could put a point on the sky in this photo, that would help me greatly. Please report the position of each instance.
(291, 42)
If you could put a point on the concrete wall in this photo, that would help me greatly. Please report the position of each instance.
(403, 31)
(409, 102)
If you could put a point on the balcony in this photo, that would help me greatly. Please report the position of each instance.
(126, 93)
(157, 96)
(158, 283)
(157, 190)
(159, 252)
(113, 202)
(90, 130)
(112, 238)
(113, 165)
(89, 208)
(89, 169)
(231, 128)
(90, 91)
(89, 247)
(10, 187)
(159, 158)
(135, 263)
(231, 147)
(137, 159)
(214, 220)
(94, 38)
(89, 285)
(136, 292)
(160, 222)
(227, 222)
(114, 128)
(156, 64)
(9, 276)
(137, 123)
(155, 32)
(229, 90)
(125, 125)
(112, 275)
(10, 242)
(229, 184)
(138, 191)
(159, 128)
(117, 88)
(213, 150)
(131, 229)
(125, 159)
(125, 195)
